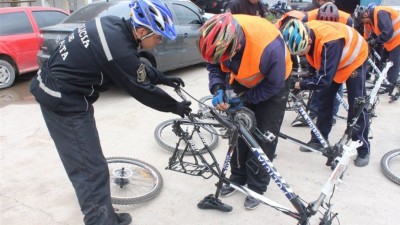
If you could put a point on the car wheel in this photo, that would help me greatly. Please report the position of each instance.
(7, 74)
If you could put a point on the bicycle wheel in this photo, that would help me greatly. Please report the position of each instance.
(132, 181)
(387, 165)
(205, 101)
(167, 139)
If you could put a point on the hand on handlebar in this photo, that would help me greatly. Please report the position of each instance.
(172, 81)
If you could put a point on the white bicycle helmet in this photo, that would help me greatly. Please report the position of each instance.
(154, 15)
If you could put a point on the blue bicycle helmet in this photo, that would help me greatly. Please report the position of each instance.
(154, 15)
(295, 34)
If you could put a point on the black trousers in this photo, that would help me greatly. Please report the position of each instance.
(244, 166)
(394, 56)
(355, 88)
(77, 142)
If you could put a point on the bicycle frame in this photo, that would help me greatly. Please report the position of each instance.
(301, 211)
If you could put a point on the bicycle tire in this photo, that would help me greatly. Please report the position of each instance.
(133, 181)
(206, 100)
(385, 165)
(167, 139)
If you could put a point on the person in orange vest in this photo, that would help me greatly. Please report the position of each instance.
(384, 23)
(338, 54)
(327, 12)
(252, 52)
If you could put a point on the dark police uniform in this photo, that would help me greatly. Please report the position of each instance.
(93, 57)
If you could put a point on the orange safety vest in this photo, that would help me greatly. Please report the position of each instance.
(355, 50)
(395, 16)
(294, 13)
(259, 33)
(343, 16)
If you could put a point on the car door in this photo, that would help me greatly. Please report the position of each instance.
(19, 39)
(189, 22)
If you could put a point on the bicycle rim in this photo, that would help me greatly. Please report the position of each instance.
(390, 165)
(132, 181)
(167, 139)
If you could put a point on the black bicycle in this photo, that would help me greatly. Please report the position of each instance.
(242, 123)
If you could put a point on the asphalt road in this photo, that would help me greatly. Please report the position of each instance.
(36, 191)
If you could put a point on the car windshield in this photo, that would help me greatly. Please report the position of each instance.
(391, 3)
(91, 11)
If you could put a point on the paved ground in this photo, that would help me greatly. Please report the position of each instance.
(35, 189)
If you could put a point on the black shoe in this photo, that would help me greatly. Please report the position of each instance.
(227, 190)
(210, 202)
(123, 218)
(312, 144)
(299, 122)
(251, 203)
(386, 88)
(333, 121)
(361, 161)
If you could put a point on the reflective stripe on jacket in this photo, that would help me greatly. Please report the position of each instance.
(355, 51)
(395, 16)
(254, 28)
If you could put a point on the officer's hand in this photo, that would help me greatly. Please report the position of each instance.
(219, 100)
(236, 103)
(172, 82)
(183, 108)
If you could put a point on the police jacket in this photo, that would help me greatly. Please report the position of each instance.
(92, 58)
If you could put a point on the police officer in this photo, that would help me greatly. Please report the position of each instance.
(251, 51)
(337, 52)
(96, 55)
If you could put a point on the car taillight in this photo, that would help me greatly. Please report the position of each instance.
(41, 42)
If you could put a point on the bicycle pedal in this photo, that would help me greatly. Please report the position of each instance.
(211, 202)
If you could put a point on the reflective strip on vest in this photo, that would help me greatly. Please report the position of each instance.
(355, 51)
(396, 32)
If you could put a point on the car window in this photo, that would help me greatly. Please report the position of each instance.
(48, 18)
(15, 23)
(185, 16)
(91, 11)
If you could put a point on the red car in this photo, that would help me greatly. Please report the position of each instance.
(19, 39)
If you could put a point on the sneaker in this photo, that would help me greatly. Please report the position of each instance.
(361, 161)
(251, 203)
(227, 190)
(311, 144)
(123, 218)
(386, 88)
(299, 122)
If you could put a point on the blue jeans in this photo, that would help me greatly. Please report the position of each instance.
(77, 142)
